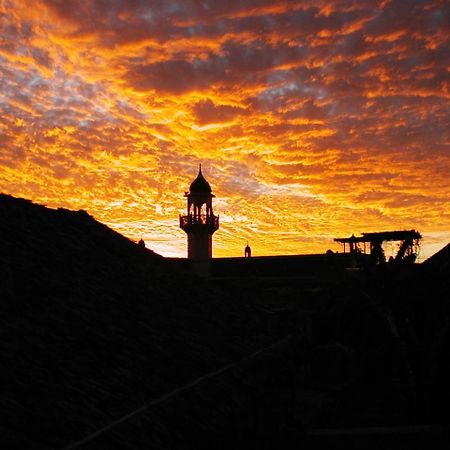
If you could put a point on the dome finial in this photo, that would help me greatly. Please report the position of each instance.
(200, 185)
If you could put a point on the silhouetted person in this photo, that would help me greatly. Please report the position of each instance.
(248, 251)
(141, 243)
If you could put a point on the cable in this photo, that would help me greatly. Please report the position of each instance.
(168, 395)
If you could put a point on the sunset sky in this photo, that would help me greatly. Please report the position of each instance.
(312, 119)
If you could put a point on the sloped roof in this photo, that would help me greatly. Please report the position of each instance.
(96, 326)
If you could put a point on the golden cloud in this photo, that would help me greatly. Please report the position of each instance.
(311, 119)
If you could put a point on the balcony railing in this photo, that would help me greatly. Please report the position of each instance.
(212, 221)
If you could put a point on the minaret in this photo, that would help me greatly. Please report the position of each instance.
(200, 223)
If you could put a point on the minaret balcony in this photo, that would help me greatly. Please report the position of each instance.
(191, 222)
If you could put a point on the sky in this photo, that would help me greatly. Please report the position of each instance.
(312, 119)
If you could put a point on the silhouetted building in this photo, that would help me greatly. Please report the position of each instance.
(200, 223)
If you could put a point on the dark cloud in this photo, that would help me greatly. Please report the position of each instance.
(243, 64)
(422, 16)
(174, 76)
(41, 57)
(207, 112)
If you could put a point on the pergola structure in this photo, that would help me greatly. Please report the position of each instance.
(409, 244)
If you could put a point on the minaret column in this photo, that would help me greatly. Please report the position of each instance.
(199, 227)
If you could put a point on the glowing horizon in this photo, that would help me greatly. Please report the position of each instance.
(312, 119)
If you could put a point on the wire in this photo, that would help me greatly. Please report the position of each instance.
(168, 395)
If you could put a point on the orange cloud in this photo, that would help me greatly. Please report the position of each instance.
(311, 119)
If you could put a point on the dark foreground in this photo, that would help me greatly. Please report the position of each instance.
(107, 345)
